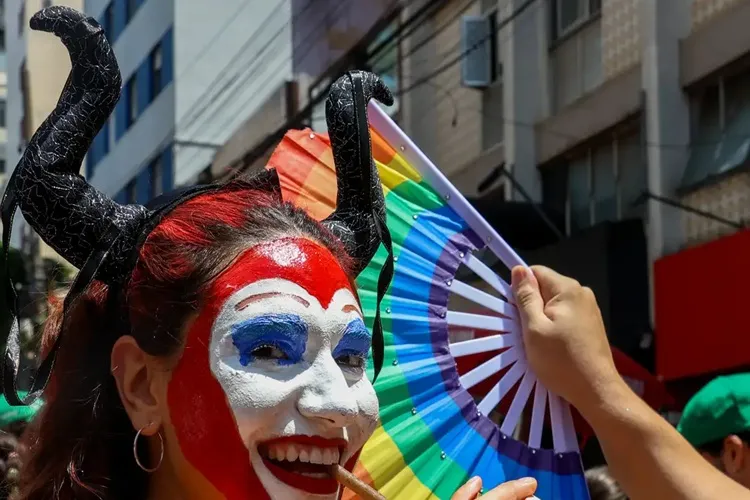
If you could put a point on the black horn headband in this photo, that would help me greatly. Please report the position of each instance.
(102, 237)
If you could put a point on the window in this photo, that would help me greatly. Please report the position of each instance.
(2, 113)
(46, 3)
(603, 183)
(2, 166)
(384, 59)
(132, 104)
(569, 14)
(156, 71)
(108, 20)
(21, 18)
(157, 177)
(2, 38)
(130, 7)
(131, 193)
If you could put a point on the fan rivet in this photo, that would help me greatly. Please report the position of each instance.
(414, 216)
(560, 455)
(442, 314)
(505, 437)
(442, 455)
(489, 238)
(461, 254)
(479, 413)
(388, 310)
(449, 282)
(402, 148)
(395, 258)
(533, 451)
(312, 136)
(413, 411)
(395, 362)
(447, 196)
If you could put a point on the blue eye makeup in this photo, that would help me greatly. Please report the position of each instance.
(277, 337)
(352, 349)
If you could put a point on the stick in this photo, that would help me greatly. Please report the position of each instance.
(349, 480)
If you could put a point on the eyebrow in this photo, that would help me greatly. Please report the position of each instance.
(260, 296)
(349, 308)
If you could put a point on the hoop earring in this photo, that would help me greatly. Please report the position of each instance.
(135, 451)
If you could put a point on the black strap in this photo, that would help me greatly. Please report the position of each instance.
(386, 272)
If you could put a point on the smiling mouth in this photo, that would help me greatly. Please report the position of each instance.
(303, 462)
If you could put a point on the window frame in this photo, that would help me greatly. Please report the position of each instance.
(157, 71)
(22, 18)
(132, 101)
(591, 9)
(156, 167)
(131, 7)
(131, 192)
(3, 112)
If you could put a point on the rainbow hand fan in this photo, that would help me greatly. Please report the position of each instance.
(433, 435)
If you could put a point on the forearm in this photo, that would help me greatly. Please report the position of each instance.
(647, 455)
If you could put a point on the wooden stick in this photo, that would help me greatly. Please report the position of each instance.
(349, 480)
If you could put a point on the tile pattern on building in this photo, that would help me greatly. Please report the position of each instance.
(705, 10)
(621, 40)
(729, 198)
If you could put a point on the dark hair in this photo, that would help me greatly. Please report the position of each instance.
(80, 445)
(715, 448)
(602, 486)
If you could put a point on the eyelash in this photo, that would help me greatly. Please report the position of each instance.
(280, 355)
(358, 358)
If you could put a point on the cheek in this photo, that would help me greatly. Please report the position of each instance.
(259, 401)
(367, 401)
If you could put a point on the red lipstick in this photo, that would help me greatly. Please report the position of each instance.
(297, 473)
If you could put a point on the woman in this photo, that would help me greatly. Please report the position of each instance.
(213, 344)
(220, 351)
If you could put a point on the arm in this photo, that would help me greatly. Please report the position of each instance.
(568, 348)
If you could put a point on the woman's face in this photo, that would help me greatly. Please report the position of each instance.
(271, 387)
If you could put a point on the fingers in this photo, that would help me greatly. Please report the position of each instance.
(470, 490)
(552, 283)
(528, 297)
(520, 489)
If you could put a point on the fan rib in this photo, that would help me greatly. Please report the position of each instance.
(482, 344)
(489, 368)
(484, 299)
(558, 426)
(493, 397)
(482, 322)
(489, 276)
(519, 403)
(537, 416)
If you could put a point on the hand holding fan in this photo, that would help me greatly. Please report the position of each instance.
(433, 436)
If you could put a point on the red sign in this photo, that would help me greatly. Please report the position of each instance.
(701, 298)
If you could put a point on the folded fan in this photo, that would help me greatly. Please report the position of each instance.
(433, 436)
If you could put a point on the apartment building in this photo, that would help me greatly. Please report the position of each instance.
(193, 71)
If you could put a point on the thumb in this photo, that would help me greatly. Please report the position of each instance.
(528, 297)
(520, 489)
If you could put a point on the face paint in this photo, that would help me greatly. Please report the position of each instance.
(281, 389)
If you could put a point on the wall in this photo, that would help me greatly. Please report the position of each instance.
(705, 10)
(230, 56)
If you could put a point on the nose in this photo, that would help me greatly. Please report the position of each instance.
(327, 397)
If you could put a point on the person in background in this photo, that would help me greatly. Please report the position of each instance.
(716, 421)
(602, 486)
(13, 423)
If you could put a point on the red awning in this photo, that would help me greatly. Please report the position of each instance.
(702, 304)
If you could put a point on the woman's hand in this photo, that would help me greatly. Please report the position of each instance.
(521, 489)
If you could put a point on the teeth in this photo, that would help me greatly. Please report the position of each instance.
(316, 456)
(302, 453)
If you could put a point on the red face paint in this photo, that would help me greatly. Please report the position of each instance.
(203, 421)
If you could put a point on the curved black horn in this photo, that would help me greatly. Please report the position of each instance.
(68, 213)
(360, 194)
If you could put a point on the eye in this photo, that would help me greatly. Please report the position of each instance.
(269, 351)
(351, 360)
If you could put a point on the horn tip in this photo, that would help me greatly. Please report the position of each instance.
(64, 21)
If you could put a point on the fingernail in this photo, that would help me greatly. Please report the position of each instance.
(527, 481)
(520, 274)
(474, 481)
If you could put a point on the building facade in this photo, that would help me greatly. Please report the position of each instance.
(192, 72)
(615, 132)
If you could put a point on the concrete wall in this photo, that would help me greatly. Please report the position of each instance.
(237, 48)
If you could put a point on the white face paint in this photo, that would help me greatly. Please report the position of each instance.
(293, 373)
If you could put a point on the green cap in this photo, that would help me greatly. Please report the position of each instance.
(720, 409)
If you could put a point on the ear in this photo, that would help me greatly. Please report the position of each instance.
(734, 455)
(138, 384)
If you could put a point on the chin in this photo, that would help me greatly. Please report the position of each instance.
(297, 467)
